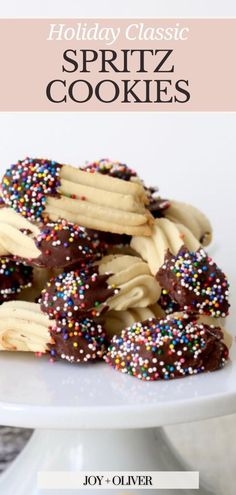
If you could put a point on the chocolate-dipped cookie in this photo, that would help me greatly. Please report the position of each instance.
(120, 171)
(76, 294)
(195, 282)
(14, 277)
(64, 244)
(156, 206)
(78, 341)
(112, 168)
(53, 245)
(43, 190)
(167, 348)
(26, 185)
(25, 328)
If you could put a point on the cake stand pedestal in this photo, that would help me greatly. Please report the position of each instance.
(92, 418)
(97, 450)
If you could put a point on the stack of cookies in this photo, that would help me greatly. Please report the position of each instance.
(95, 265)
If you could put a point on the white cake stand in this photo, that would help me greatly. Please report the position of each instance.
(93, 418)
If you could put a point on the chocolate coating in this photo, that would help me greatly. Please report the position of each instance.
(114, 169)
(64, 244)
(14, 277)
(157, 206)
(167, 303)
(167, 349)
(108, 239)
(27, 184)
(78, 341)
(195, 282)
(76, 294)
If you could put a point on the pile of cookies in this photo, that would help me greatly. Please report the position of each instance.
(95, 265)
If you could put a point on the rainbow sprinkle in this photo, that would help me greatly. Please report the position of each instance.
(67, 243)
(112, 168)
(195, 282)
(76, 293)
(26, 185)
(78, 341)
(14, 276)
(167, 348)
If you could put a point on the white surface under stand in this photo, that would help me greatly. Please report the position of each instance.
(93, 418)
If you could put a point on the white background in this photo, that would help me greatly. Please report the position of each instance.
(114, 8)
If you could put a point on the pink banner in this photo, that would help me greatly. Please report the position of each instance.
(118, 65)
